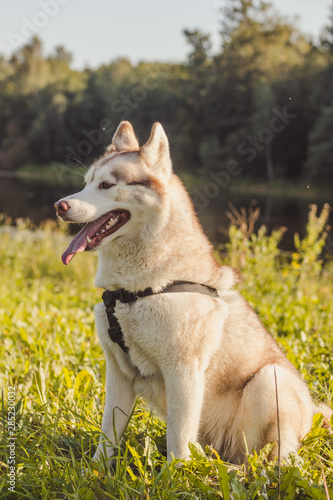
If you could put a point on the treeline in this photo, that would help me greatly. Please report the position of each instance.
(264, 101)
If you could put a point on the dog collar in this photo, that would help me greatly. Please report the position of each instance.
(125, 297)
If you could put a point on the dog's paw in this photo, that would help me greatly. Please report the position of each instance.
(100, 458)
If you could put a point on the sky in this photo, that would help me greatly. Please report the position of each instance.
(97, 31)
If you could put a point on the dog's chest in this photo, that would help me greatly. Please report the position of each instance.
(164, 330)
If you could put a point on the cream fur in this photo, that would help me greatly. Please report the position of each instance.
(207, 364)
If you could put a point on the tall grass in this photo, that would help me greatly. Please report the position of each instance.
(50, 354)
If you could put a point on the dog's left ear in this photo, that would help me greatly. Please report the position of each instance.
(124, 139)
(156, 152)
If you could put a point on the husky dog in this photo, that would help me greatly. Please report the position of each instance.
(203, 360)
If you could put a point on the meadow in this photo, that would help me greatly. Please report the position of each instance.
(53, 373)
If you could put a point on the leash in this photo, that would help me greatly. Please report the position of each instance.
(110, 298)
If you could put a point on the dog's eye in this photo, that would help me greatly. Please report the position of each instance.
(105, 185)
(140, 182)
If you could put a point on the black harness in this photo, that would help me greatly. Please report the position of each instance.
(125, 297)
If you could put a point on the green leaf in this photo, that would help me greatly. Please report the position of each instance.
(86, 493)
(239, 492)
(315, 492)
(224, 480)
(82, 383)
(256, 486)
(289, 483)
(196, 451)
(198, 483)
(137, 458)
(318, 419)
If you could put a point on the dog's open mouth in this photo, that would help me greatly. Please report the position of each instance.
(94, 232)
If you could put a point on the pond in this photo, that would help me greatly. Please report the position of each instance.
(34, 198)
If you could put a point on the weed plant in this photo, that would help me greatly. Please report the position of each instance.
(50, 355)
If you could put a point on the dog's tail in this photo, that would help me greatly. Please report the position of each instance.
(327, 413)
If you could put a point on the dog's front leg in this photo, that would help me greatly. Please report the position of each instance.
(119, 401)
(184, 389)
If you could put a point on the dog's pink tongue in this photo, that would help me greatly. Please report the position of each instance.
(79, 243)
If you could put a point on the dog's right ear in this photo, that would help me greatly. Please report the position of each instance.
(124, 139)
(156, 151)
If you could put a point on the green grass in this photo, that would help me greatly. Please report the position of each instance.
(50, 353)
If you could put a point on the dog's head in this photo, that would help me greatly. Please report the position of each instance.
(125, 189)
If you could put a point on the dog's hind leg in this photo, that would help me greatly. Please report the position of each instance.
(259, 422)
(119, 401)
(184, 389)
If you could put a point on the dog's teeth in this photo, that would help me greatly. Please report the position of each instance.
(111, 223)
(88, 239)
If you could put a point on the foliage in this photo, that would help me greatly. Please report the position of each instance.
(291, 292)
(50, 353)
(321, 152)
(216, 107)
(327, 34)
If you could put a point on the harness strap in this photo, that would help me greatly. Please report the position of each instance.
(110, 298)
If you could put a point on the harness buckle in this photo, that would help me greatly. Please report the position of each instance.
(110, 297)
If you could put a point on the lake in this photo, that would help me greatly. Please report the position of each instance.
(34, 198)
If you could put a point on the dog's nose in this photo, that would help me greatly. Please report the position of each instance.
(61, 207)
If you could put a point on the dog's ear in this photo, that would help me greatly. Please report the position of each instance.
(156, 152)
(124, 139)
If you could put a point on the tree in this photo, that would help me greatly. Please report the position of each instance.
(260, 51)
(320, 157)
(215, 108)
(194, 80)
(326, 38)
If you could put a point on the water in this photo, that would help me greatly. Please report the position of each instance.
(34, 198)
